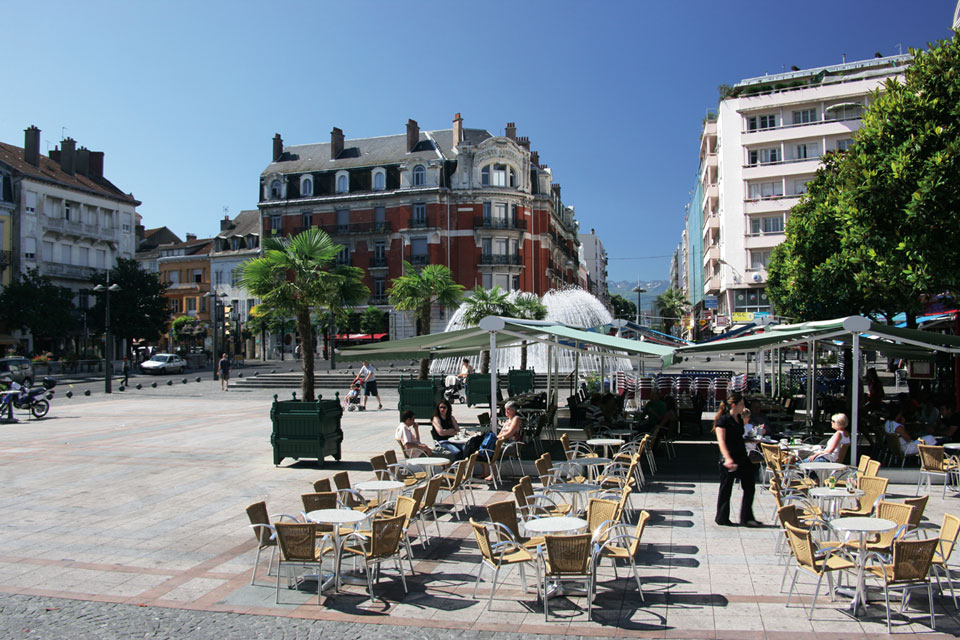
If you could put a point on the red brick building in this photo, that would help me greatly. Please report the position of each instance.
(484, 205)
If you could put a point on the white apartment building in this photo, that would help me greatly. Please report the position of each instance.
(594, 258)
(237, 243)
(756, 158)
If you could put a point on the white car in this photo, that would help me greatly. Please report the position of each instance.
(164, 363)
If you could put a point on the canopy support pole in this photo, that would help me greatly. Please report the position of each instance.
(549, 381)
(855, 398)
(556, 370)
(493, 378)
(763, 373)
(603, 374)
(811, 361)
(775, 373)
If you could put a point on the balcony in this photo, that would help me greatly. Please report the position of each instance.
(501, 259)
(357, 227)
(418, 223)
(78, 229)
(419, 260)
(378, 262)
(711, 254)
(68, 271)
(712, 285)
(379, 299)
(499, 223)
(710, 222)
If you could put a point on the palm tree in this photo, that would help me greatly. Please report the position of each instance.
(527, 306)
(483, 303)
(672, 305)
(293, 275)
(338, 295)
(418, 291)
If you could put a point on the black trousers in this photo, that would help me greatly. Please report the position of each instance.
(746, 472)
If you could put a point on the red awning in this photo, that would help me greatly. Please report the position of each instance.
(360, 336)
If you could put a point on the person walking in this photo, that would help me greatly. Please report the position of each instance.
(735, 463)
(125, 370)
(223, 370)
(369, 379)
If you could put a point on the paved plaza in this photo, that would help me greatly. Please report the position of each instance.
(123, 516)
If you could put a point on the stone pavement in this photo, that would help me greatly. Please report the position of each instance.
(124, 516)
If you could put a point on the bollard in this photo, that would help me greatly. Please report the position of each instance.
(169, 383)
(273, 371)
(198, 378)
(185, 381)
(139, 386)
(86, 392)
(121, 388)
(69, 394)
(240, 375)
(154, 385)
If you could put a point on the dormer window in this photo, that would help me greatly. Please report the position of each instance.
(419, 176)
(498, 175)
(306, 186)
(235, 243)
(379, 179)
(343, 182)
(275, 190)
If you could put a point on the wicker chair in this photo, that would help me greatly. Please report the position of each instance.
(918, 504)
(548, 475)
(317, 501)
(933, 463)
(492, 458)
(341, 480)
(601, 518)
(895, 512)
(909, 568)
(567, 558)
(264, 532)
(621, 546)
(497, 555)
(895, 448)
(429, 505)
(322, 486)
(873, 491)
(949, 530)
(452, 483)
(525, 486)
(504, 516)
(814, 560)
(379, 466)
(299, 547)
(860, 471)
(790, 514)
(382, 543)
(565, 442)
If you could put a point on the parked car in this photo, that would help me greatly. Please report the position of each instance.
(19, 369)
(164, 363)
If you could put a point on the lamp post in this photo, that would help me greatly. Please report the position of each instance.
(108, 346)
(638, 290)
(214, 300)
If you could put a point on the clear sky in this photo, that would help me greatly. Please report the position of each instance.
(184, 97)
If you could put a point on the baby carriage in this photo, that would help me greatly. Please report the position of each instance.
(453, 391)
(353, 398)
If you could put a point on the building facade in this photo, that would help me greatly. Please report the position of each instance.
(61, 216)
(185, 268)
(595, 261)
(237, 243)
(756, 158)
(482, 204)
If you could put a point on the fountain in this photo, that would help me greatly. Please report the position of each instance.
(572, 306)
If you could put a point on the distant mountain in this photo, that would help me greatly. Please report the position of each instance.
(625, 288)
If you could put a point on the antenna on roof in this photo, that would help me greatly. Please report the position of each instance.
(900, 48)
(63, 133)
(226, 210)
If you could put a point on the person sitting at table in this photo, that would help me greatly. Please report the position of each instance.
(907, 443)
(654, 412)
(928, 415)
(408, 435)
(874, 390)
(840, 437)
(949, 421)
(509, 432)
(444, 426)
(593, 412)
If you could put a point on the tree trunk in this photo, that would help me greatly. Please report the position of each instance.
(424, 368)
(423, 316)
(485, 361)
(523, 356)
(305, 329)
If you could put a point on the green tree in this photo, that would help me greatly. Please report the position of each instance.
(622, 308)
(33, 303)
(293, 275)
(672, 306)
(527, 306)
(139, 309)
(418, 290)
(483, 303)
(337, 294)
(373, 320)
(181, 328)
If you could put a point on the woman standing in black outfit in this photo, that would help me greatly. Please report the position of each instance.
(728, 425)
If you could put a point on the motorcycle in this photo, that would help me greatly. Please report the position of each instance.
(36, 400)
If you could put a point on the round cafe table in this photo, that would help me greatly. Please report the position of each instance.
(821, 468)
(574, 489)
(380, 486)
(606, 443)
(428, 462)
(553, 525)
(336, 518)
(591, 464)
(831, 499)
(952, 446)
(862, 527)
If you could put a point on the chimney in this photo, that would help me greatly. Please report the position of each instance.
(535, 158)
(55, 154)
(225, 223)
(277, 147)
(31, 146)
(336, 142)
(83, 161)
(68, 155)
(191, 237)
(457, 130)
(511, 131)
(523, 141)
(413, 134)
(556, 188)
(96, 165)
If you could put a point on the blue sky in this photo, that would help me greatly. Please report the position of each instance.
(184, 97)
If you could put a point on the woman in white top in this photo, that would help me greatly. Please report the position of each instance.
(841, 437)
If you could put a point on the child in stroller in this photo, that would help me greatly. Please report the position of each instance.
(453, 389)
(353, 397)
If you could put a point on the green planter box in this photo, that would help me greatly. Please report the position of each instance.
(306, 429)
(478, 389)
(420, 396)
(520, 381)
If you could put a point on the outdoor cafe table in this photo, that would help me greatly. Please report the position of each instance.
(428, 462)
(380, 486)
(831, 499)
(606, 443)
(590, 463)
(822, 467)
(621, 433)
(336, 518)
(862, 527)
(574, 489)
(554, 525)
(952, 446)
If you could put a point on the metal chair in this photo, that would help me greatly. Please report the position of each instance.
(322, 486)
(382, 544)
(567, 558)
(909, 568)
(933, 463)
(621, 546)
(815, 560)
(263, 530)
(497, 555)
(949, 530)
(299, 547)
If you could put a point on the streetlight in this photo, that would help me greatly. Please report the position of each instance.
(214, 300)
(638, 290)
(108, 347)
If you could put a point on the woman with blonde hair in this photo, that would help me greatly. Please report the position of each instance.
(840, 423)
(734, 463)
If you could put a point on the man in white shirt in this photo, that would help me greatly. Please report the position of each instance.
(369, 380)
(408, 435)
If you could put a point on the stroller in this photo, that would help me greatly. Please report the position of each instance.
(453, 389)
(353, 398)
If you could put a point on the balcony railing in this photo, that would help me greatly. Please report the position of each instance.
(496, 258)
(418, 223)
(73, 226)
(419, 260)
(498, 223)
(72, 271)
(378, 261)
(379, 299)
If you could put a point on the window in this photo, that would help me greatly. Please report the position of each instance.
(486, 212)
(379, 288)
(488, 281)
(843, 145)
(380, 251)
(343, 220)
(102, 258)
(203, 304)
(175, 305)
(418, 246)
(108, 219)
(486, 246)
(218, 277)
(306, 186)
(83, 259)
(191, 304)
(379, 179)
(806, 150)
(66, 254)
(275, 190)
(500, 246)
(343, 182)
(344, 256)
(67, 210)
(419, 176)
(766, 190)
(251, 303)
(173, 277)
(48, 251)
(197, 276)
(759, 123)
(30, 202)
(843, 111)
(760, 226)
(51, 207)
(235, 277)
(235, 243)
(759, 259)
(499, 175)
(485, 176)
(804, 116)
(307, 220)
(516, 283)
(771, 155)
(799, 187)
(420, 214)
(379, 215)
(500, 215)
(746, 300)
(126, 222)
(30, 248)
(275, 224)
